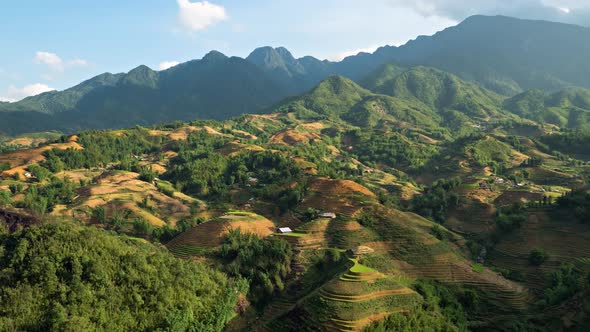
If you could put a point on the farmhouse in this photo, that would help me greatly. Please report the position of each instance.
(330, 215)
(285, 230)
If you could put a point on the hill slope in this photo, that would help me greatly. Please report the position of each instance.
(507, 55)
(566, 109)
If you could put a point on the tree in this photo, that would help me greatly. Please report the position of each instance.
(537, 257)
(39, 172)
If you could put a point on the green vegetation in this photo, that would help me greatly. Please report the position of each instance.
(538, 257)
(511, 218)
(265, 264)
(61, 276)
(478, 268)
(565, 109)
(437, 199)
(420, 320)
(576, 203)
(102, 149)
(394, 150)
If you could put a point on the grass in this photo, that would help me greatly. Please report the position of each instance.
(240, 213)
(360, 268)
(165, 186)
(477, 268)
(293, 234)
(186, 250)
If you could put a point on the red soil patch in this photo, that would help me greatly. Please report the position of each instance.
(511, 197)
(211, 234)
(18, 160)
(293, 137)
(313, 125)
(338, 187)
(379, 246)
(427, 140)
(245, 134)
(124, 190)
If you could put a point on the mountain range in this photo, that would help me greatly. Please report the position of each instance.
(505, 55)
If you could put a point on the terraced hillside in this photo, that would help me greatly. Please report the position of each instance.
(563, 240)
(210, 234)
(400, 206)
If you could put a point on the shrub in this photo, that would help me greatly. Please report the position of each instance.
(16, 188)
(142, 227)
(366, 220)
(538, 257)
(5, 197)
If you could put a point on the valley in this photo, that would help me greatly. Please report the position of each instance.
(388, 198)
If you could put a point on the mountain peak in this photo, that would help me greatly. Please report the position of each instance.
(285, 53)
(340, 87)
(268, 57)
(214, 56)
(279, 60)
(142, 76)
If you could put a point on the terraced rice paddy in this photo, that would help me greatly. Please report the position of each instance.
(208, 235)
(353, 299)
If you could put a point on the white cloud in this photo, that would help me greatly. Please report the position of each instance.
(13, 94)
(197, 16)
(167, 64)
(54, 62)
(7, 100)
(50, 59)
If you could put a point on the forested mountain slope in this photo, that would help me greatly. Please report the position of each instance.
(503, 54)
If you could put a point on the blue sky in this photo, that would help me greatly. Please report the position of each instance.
(56, 44)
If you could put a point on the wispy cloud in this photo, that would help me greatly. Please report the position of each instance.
(342, 55)
(14, 94)
(197, 16)
(570, 11)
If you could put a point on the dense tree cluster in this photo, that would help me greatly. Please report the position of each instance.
(445, 309)
(103, 148)
(435, 201)
(64, 277)
(573, 141)
(510, 218)
(565, 283)
(265, 263)
(576, 203)
(42, 198)
(210, 174)
(393, 149)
